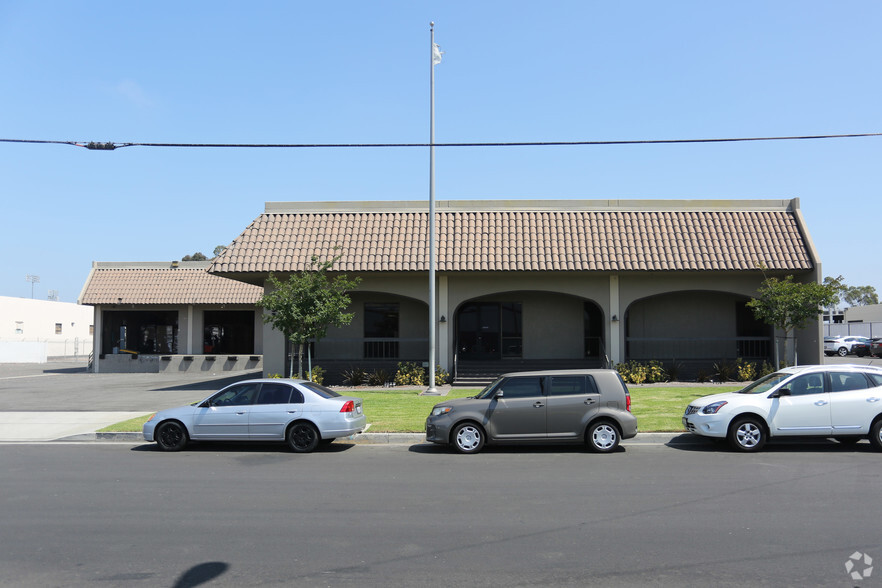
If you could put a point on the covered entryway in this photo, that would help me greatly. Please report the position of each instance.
(694, 330)
(526, 330)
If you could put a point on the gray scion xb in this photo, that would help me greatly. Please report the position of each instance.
(561, 406)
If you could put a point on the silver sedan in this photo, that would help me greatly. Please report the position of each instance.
(301, 413)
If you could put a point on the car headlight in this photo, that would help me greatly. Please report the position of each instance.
(152, 416)
(439, 410)
(714, 407)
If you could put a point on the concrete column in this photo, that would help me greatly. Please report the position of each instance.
(97, 343)
(443, 347)
(189, 350)
(615, 320)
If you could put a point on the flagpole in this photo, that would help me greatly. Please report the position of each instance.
(432, 311)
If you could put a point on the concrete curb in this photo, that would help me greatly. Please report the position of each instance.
(401, 438)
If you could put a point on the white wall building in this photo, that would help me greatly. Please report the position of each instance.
(33, 331)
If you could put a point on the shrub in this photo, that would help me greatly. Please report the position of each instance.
(354, 376)
(378, 377)
(410, 374)
(744, 370)
(441, 376)
(674, 371)
(702, 376)
(274, 376)
(634, 372)
(724, 371)
(317, 375)
(766, 369)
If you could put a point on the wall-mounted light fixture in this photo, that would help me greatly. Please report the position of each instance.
(615, 318)
(443, 319)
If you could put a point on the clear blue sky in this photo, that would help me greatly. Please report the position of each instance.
(358, 72)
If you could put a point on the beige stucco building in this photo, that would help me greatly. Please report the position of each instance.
(531, 284)
(172, 316)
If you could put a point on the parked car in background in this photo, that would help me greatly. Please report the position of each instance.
(876, 347)
(861, 348)
(301, 413)
(842, 346)
(568, 406)
(839, 401)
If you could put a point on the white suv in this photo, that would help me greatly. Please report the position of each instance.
(842, 345)
(839, 401)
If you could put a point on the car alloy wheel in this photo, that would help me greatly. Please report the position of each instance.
(842, 352)
(171, 436)
(747, 435)
(876, 435)
(302, 438)
(468, 438)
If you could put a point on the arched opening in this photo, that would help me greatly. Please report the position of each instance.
(526, 330)
(695, 330)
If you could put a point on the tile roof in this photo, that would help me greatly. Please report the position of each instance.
(521, 236)
(160, 283)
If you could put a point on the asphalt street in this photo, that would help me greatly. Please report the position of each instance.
(110, 514)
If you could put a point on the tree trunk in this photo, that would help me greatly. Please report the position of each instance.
(300, 360)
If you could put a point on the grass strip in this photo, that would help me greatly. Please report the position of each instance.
(657, 408)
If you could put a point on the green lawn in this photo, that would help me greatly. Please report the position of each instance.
(405, 411)
(661, 408)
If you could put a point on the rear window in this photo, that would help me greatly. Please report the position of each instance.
(320, 390)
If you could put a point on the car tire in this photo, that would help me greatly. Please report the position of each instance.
(876, 435)
(602, 437)
(842, 351)
(467, 438)
(171, 436)
(302, 437)
(747, 434)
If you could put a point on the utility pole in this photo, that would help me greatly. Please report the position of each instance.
(33, 280)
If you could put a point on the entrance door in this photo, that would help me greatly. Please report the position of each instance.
(478, 331)
(489, 330)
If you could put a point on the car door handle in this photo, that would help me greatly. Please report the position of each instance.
(293, 411)
(242, 412)
(872, 399)
(590, 401)
(538, 405)
(820, 403)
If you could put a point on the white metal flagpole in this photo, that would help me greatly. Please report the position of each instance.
(434, 57)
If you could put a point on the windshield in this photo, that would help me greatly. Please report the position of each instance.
(320, 390)
(489, 390)
(765, 383)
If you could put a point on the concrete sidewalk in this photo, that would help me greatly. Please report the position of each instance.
(52, 426)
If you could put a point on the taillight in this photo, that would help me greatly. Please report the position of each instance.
(628, 402)
(348, 406)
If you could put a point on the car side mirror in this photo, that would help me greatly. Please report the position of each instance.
(780, 393)
(499, 394)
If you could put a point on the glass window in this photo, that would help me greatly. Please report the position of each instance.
(240, 395)
(844, 381)
(319, 389)
(567, 385)
(274, 394)
(381, 322)
(806, 384)
(57, 328)
(877, 379)
(521, 387)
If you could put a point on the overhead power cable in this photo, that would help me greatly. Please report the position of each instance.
(110, 146)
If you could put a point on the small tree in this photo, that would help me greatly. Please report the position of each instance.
(198, 256)
(304, 306)
(218, 250)
(789, 305)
